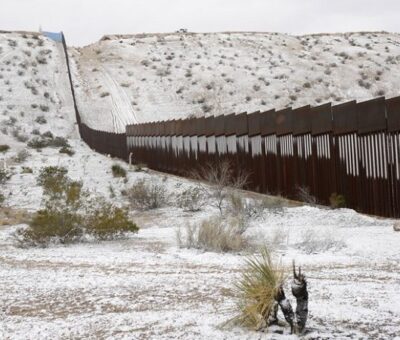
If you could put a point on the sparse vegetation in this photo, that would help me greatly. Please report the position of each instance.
(147, 194)
(40, 120)
(214, 234)
(4, 148)
(21, 156)
(223, 179)
(70, 216)
(304, 195)
(313, 241)
(118, 171)
(337, 201)
(67, 150)
(192, 199)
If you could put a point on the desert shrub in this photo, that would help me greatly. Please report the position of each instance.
(70, 215)
(19, 136)
(51, 225)
(4, 148)
(48, 140)
(21, 156)
(206, 108)
(107, 221)
(26, 170)
(53, 179)
(37, 143)
(337, 201)
(140, 167)
(44, 108)
(41, 120)
(48, 134)
(2, 199)
(257, 289)
(147, 194)
(192, 199)
(214, 234)
(313, 241)
(223, 179)
(118, 171)
(304, 195)
(59, 142)
(67, 150)
(244, 209)
(104, 94)
(41, 59)
(4, 176)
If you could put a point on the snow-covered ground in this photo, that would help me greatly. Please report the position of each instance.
(146, 287)
(149, 77)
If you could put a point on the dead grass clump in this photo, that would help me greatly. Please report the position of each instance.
(214, 234)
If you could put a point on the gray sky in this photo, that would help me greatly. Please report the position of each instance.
(85, 21)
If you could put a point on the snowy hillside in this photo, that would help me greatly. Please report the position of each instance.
(34, 84)
(124, 79)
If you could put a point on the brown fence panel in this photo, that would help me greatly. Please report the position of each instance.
(345, 129)
(323, 153)
(393, 142)
(349, 149)
(269, 153)
(303, 148)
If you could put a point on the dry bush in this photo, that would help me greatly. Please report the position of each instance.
(257, 289)
(5, 175)
(192, 199)
(313, 241)
(223, 179)
(147, 194)
(304, 195)
(245, 208)
(21, 156)
(214, 234)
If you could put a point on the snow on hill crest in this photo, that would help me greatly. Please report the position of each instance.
(124, 79)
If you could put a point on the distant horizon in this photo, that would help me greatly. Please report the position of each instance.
(196, 32)
(85, 22)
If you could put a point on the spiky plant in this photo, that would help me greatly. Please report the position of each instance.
(257, 290)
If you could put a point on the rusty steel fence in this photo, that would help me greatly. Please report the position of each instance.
(351, 149)
(109, 143)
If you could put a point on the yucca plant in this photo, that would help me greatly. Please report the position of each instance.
(258, 289)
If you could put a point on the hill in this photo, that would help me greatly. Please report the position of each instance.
(127, 78)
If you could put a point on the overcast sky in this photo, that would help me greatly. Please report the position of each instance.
(85, 21)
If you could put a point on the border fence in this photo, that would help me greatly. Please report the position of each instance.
(350, 149)
(109, 143)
